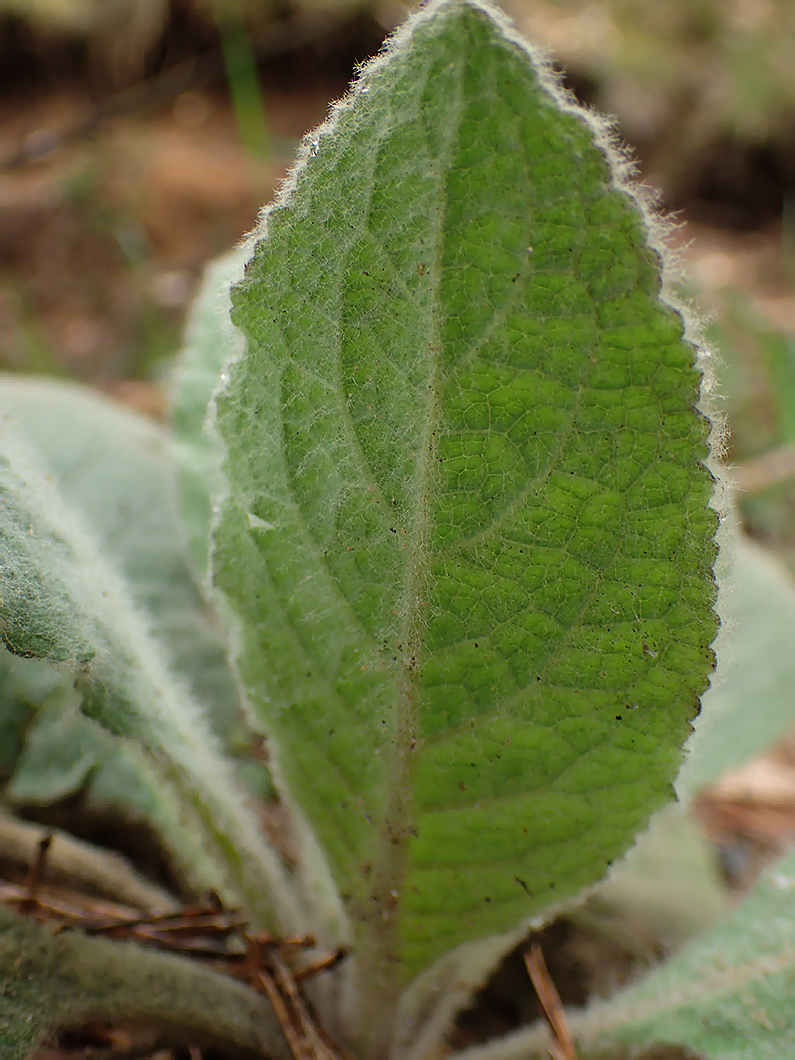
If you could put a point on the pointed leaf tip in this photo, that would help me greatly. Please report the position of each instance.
(468, 531)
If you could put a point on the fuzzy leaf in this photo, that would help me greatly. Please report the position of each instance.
(66, 754)
(727, 997)
(750, 704)
(663, 893)
(117, 469)
(76, 866)
(24, 686)
(467, 533)
(210, 339)
(51, 752)
(61, 600)
(62, 981)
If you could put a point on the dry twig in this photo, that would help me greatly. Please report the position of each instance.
(562, 1047)
(209, 933)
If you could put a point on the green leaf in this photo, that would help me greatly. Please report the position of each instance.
(728, 996)
(63, 601)
(429, 1006)
(467, 534)
(117, 468)
(24, 686)
(749, 705)
(79, 867)
(66, 753)
(210, 340)
(663, 893)
(62, 981)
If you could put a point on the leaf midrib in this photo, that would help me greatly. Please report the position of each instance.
(379, 964)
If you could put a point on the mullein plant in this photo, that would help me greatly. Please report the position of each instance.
(446, 478)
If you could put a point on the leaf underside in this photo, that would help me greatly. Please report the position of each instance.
(467, 534)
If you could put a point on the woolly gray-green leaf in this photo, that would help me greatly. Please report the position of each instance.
(51, 751)
(66, 753)
(750, 703)
(117, 469)
(62, 600)
(210, 339)
(62, 981)
(467, 533)
(79, 867)
(727, 997)
(24, 686)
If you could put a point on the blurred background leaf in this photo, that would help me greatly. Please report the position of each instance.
(117, 468)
